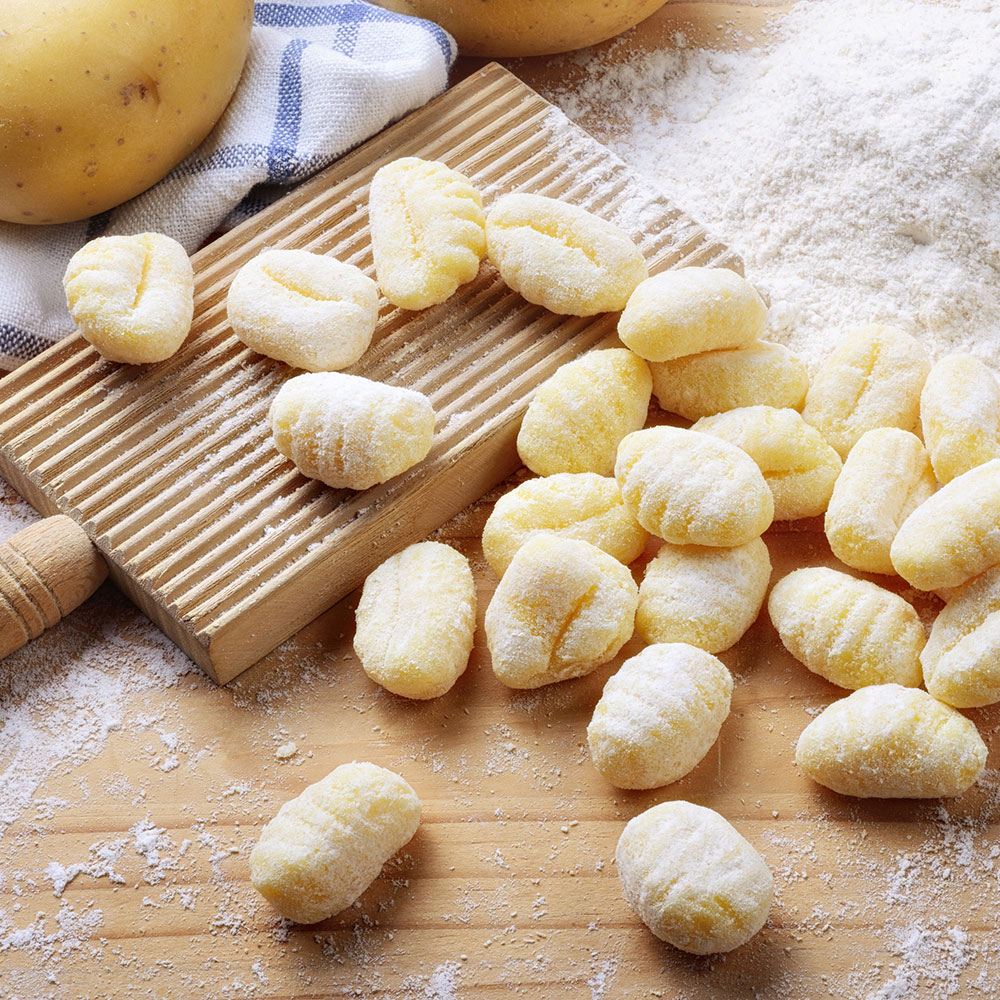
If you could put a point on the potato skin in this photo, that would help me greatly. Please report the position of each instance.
(100, 98)
(527, 27)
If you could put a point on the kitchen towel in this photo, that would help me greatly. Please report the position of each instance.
(321, 76)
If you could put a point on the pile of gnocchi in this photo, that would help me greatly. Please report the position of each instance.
(900, 458)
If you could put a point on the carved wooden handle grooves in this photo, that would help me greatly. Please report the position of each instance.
(46, 570)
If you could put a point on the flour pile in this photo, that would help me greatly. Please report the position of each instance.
(852, 158)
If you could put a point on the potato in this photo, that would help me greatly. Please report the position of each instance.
(528, 27)
(100, 98)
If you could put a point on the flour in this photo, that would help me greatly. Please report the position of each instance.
(851, 160)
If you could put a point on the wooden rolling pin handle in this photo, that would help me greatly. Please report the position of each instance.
(46, 570)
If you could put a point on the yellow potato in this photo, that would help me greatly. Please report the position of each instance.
(528, 27)
(102, 97)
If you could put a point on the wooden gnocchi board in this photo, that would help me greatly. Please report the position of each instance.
(170, 467)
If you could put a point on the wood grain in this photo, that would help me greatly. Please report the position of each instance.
(170, 468)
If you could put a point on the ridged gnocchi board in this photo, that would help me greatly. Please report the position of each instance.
(170, 467)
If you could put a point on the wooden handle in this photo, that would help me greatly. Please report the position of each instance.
(46, 570)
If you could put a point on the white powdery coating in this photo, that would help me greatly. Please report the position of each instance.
(851, 161)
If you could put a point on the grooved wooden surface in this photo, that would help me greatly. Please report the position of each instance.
(170, 468)
(157, 791)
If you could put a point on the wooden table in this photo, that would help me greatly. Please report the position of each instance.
(124, 872)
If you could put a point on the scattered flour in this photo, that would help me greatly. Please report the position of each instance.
(852, 160)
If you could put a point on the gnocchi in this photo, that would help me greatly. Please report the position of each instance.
(852, 632)
(577, 417)
(702, 595)
(695, 882)
(872, 379)
(659, 715)
(891, 742)
(692, 489)
(578, 505)
(560, 256)
(689, 310)
(327, 845)
(562, 609)
(306, 309)
(886, 476)
(349, 431)
(416, 620)
(799, 467)
(701, 385)
(428, 231)
(961, 660)
(953, 536)
(131, 297)
(960, 415)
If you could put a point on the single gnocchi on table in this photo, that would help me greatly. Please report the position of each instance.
(692, 489)
(348, 431)
(560, 256)
(960, 415)
(306, 309)
(850, 631)
(961, 660)
(416, 620)
(131, 297)
(659, 715)
(562, 609)
(428, 231)
(886, 476)
(798, 465)
(694, 880)
(328, 844)
(701, 385)
(689, 310)
(703, 595)
(579, 505)
(872, 379)
(578, 417)
(952, 536)
(892, 742)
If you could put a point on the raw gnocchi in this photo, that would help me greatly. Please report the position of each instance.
(852, 632)
(961, 660)
(327, 845)
(703, 595)
(692, 489)
(872, 379)
(953, 536)
(798, 465)
(695, 882)
(349, 431)
(891, 742)
(960, 415)
(132, 297)
(659, 715)
(306, 309)
(700, 385)
(577, 417)
(886, 476)
(428, 231)
(688, 310)
(416, 620)
(560, 256)
(578, 505)
(562, 609)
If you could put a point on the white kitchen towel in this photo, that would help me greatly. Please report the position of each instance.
(321, 76)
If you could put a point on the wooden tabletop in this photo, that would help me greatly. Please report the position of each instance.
(134, 789)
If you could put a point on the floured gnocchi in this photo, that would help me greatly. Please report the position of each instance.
(428, 231)
(349, 431)
(306, 309)
(560, 256)
(131, 297)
